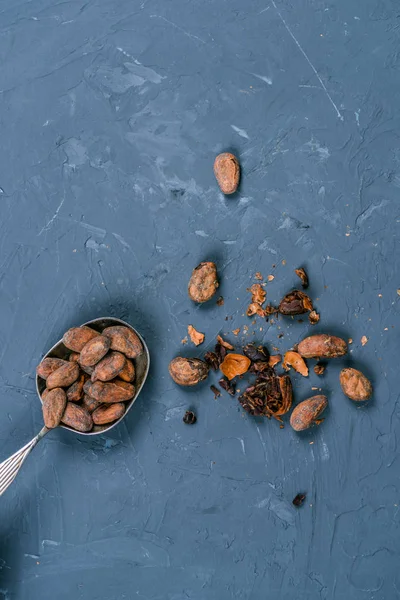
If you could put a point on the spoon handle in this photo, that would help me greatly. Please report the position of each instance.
(10, 467)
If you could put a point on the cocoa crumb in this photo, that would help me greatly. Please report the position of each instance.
(313, 317)
(184, 341)
(215, 391)
(189, 418)
(220, 301)
(298, 500)
(319, 369)
(280, 335)
(236, 331)
(364, 340)
(271, 277)
(259, 276)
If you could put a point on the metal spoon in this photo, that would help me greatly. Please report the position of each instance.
(10, 467)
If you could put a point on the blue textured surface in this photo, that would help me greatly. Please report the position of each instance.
(111, 114)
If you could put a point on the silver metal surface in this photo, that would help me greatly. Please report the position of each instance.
(10, 467)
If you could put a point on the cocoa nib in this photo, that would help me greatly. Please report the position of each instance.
(303, 276)
(298, 500)
(270, 396)
(212, 360)
(228, 386)
(319, 369)
(255, 353)
(220, 301)
(215, 391)
(189, 418)
(295, 303)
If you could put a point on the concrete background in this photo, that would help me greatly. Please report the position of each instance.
(111, 115)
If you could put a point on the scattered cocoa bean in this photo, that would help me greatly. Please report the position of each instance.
(203, 283)
(322, 345)
(355, 385)
(227, 172)
(188, 371)
(307, 412)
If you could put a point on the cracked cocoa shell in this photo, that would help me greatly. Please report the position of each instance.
(64, 376)
(124, 340)
(77, 417)
(48, 366)
(94, 351)
(77, 337)
(109, 367)
(53, 406)
(295, 303)
(355, 385)
(307, 412)
(108, 413)
(203, 283)
(227, 172)
(322, 345)
(115, 391)
(188, 371)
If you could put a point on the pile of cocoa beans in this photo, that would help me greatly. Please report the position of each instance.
(95, 381)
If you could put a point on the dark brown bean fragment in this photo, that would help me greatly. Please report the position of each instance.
(94, 351)
(319, 369)
(298, 500)
(75, 391)
(322, 345)
(355, 385)
(256, 353)
(77, 417)
(90, 403)
(128, 372)
(227, 172)
(53, 407)
(228, 386)
(77, 337)
(63, 377)
(215, 391)
(124, 340)
(108, 413)
(295, 303)
(115, 391)
(203, 283)
(188, 371)
(307, 412)
(109, 367)
(48, 366)
(189, 418)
